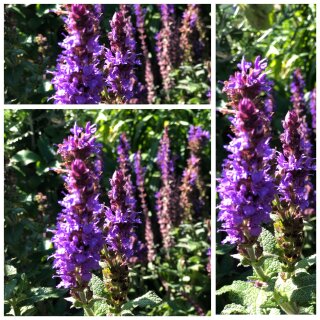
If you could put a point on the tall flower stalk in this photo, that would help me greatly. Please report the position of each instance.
(313, 110)
(77, 239)
(192, 33)
(293, 170)
(140, 175)
(119, 230)
(149, 78)
(167, 201)
(167, 45)
(193, 192)
(78, 78)
(121, 59)
(246, 187)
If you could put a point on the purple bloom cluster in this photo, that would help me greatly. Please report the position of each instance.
(77, 238)
(167, 199)
(140, 19)
(294, 166)
(78, 79)
(313, 110)
(167, 44)
(192, 34)
(192, 187)
(120, 219)
(140, 173)
(121, 59)
(246, 188)
(249, 82)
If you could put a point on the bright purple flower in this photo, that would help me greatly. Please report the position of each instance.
(121, 60)
(140, 174)
(313, 106)
(246, 188)
(77, 238)
(192, 188)
(120, 219)
(78, 79)
(294, 166)
(140, 20)
(249, 82)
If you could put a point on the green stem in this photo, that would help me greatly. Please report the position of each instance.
(254, 265)
(88, 311)
(289, 308)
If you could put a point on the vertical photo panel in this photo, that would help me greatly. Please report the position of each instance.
(266, 159)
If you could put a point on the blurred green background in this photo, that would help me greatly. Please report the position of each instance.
(31, 45)
(286, 36)
(31, 138)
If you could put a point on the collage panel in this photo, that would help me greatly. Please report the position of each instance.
(107, 212)
(266, 159)
(107, 54)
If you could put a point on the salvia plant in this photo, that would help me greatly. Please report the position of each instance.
(96, 244)
(91, 72)
(266, 196)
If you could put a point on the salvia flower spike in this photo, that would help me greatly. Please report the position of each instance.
(77, 238)
(121, 59)
(246, 188)
(78, 78)
(192, 187)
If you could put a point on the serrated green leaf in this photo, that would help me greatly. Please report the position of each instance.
(101, 308)
(234, 309)
(150, 299)
(246, 294)
(268, 241)
(97, 286)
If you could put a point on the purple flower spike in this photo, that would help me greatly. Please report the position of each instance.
(140, 173)
(192, 188)
(167, 45)
(120, 219)
(246, 188)
(140, 20)
(294, 166)
(167, 199)
(192, 34)
(313, 106)
(78, 79)
(121, 59)
(249, 82)
(77, 238)
(299, 105)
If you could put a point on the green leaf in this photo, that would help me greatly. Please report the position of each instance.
(97, 286)
(306, 262)
(9, 270)
(300, 289)
(25, 157)
(9, 289)
(44, 293)
(100, 307)
(150, 299)
(246, 294)
(234, 309)
(268, 241)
